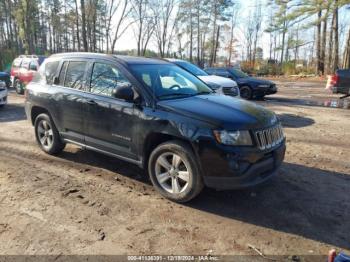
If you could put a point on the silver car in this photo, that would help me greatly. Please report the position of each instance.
(3, 93)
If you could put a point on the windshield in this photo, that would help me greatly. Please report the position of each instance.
(238, 73)
(191, 68)
(169, 81)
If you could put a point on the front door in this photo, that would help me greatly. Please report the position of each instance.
(110, 123)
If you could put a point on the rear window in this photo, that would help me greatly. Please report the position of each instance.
(25, 64)
(50, 71)
(46, 73)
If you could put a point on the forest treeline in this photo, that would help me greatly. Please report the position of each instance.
(202, 31)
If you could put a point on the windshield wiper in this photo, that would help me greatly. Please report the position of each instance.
(175, 94)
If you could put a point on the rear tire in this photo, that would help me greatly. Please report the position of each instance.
(19, 87)
(174, 171)
(246, 92)
(47, 135)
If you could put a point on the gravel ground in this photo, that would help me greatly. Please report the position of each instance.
(82, 202)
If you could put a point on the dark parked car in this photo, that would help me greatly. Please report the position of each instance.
(5, 77)
(250, 87)
(339, 83)
(154, 114)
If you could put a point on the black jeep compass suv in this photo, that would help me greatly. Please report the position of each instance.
(156, 115)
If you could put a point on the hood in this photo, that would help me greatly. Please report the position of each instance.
(222, 81)
(222, 111)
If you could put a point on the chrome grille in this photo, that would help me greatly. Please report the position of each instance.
(270, 137)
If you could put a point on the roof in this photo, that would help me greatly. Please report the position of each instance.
(175, 60)
(121, 58)
(140, 60)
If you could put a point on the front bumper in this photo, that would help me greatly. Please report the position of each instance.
(234, 168)
(261, 91)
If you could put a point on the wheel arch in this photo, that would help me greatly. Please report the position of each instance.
(154, 139)
(37, 110)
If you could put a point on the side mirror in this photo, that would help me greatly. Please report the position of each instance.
(124, 93)
(33, 67)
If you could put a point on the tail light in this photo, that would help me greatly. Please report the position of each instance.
(334, 80)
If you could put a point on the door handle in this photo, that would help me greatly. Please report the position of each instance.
(91, 102)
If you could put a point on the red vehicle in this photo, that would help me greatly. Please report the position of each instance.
(23, 69)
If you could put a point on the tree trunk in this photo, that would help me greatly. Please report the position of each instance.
(77, 23)
(216, 44)
(198, 34)
(323, 44)
(191, 36)
(83, 25)
(330, 48)
(318, 44)
(283, 42)
(336, 38)
(346, 62)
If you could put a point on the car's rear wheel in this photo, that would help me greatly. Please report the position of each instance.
(174, 171)
(19, 87)
(246, 92)
(47, 135)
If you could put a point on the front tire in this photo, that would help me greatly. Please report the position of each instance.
(174, 171)
(47, 135)
(246, 92)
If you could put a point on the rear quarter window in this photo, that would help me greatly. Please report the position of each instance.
(46, 73)
(50, 71)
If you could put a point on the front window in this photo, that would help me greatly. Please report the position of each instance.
(105, 78)
(192, 68)
(238, 73)
(170, 81)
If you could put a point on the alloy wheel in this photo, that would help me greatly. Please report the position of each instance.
(45, 134)
(172, 173)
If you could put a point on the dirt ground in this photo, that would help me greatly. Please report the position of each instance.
(82, 202)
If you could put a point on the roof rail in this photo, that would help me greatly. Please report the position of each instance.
(28, 56)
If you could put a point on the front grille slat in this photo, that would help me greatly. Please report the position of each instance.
(270, 137)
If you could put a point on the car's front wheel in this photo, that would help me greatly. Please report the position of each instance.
(47, 135)
(246, 92)
(174, 171)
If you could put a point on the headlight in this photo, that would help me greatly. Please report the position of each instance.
(263, 86)
(237, 138)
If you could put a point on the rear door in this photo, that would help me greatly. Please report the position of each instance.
(110, 122)
(70, 93)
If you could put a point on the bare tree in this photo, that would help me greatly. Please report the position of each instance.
(166, 18)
